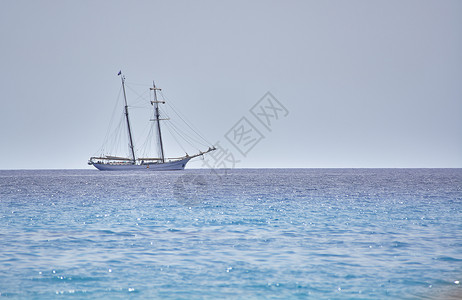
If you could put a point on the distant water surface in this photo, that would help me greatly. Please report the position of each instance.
(245, 233)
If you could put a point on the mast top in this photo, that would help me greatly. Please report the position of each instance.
(154, 88)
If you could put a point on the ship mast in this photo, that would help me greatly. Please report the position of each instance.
(157, 119)
(130, 138)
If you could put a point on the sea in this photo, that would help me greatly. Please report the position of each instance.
(231, 234)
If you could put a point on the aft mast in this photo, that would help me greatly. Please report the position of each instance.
(157, 119)
(130, 138)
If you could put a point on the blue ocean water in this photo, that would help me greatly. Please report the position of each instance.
(244, 233)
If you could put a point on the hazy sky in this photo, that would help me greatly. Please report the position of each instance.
(365, 83)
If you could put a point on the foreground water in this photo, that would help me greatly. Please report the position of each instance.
(198, 234)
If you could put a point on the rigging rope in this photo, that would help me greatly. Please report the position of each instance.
(187, 122)
(176, 140)
(108, 131)
(185, 135)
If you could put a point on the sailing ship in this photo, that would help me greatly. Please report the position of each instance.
(119, 163)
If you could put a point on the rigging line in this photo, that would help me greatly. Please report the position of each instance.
(146, 146)
(171, 125)
(186, 133)
(187, 122)
(138, 107)
(138, 84)
(186, 136)
(143, 132)
(176, 140)
(114, 148)
(178, 113)
(121, 130)
(108, 143)
(193, 130)
(150, 140)
(108, 131)
(193, 146)
(141, 97)
(114, 138)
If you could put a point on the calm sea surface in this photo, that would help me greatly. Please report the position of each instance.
(249, 233)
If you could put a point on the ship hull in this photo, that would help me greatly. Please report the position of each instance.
(167, 166)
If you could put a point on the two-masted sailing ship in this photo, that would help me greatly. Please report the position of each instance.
(107, 162)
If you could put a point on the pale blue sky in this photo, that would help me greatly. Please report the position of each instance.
(366, 83)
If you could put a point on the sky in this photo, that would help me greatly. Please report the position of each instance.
(358, 84)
